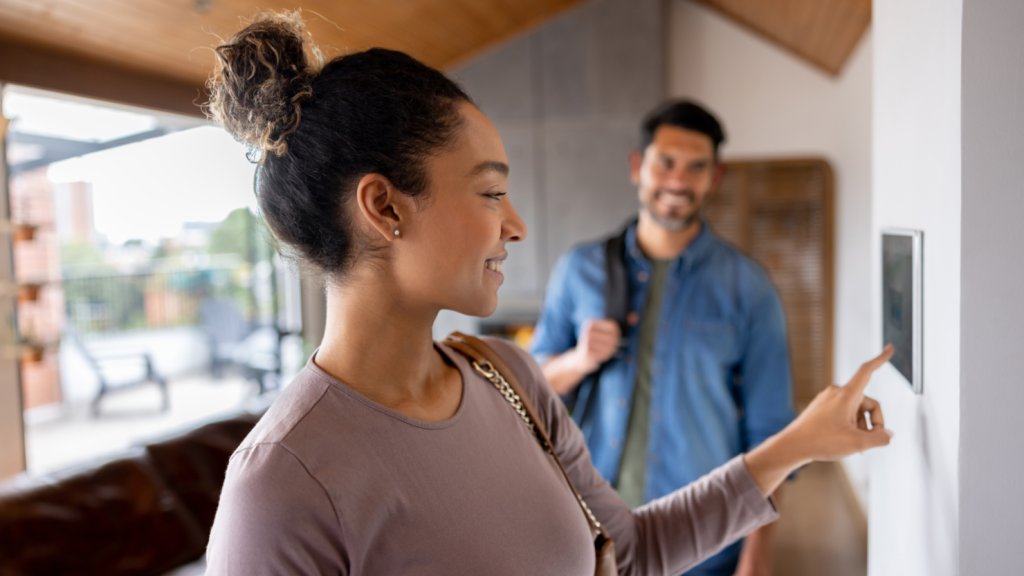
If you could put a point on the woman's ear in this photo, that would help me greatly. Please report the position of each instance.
(379, 205)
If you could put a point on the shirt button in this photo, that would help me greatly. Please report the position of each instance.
(632, 318)
(641, 276)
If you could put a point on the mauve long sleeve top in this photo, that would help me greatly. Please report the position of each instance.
(330, 482)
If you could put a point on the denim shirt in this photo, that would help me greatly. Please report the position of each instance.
(721, 379)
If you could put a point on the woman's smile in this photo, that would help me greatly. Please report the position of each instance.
(493, 267)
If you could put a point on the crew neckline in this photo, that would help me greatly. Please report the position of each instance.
(460, 364)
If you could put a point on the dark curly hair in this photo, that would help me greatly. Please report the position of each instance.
(315, 131)
(685, 114)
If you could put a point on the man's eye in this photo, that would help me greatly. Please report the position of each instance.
(495, 195)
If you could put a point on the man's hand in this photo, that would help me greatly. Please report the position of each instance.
(597, 342)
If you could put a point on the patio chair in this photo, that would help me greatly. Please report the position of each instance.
(235, 342)
(119, 369)
(225, 328)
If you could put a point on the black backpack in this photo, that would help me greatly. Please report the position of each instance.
(616, 307)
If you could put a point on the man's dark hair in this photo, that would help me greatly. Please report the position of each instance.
(685, 114)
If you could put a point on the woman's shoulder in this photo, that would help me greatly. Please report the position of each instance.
(518, 360)
(289, 410)
(527, 372)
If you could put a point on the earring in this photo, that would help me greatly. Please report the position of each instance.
(397, 232)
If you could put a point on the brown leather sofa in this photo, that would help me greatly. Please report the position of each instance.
(147, 511)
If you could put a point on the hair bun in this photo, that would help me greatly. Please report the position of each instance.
(261, 78)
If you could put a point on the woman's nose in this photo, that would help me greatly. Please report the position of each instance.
(513, 228)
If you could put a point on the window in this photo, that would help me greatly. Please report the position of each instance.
(149, 292)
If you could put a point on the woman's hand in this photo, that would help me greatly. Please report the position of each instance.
(838, 422)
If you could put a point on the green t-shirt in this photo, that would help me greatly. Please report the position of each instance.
(632, 469)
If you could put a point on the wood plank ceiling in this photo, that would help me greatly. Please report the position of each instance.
(170, 40)
(157, 52)
(823, 32)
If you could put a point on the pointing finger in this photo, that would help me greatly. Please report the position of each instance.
(860, 380)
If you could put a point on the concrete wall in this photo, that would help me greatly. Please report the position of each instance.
(567, 99)
(775, 105)
(991, 336)
(916, 122)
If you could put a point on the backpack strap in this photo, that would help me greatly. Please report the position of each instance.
(616, 307)
(616, 287)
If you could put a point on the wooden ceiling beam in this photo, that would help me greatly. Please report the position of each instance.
(158, 53)
(49, 69)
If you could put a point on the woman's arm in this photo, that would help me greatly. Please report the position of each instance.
(665, 536)
(676, 532)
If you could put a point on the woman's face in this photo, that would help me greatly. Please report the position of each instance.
(451, 250)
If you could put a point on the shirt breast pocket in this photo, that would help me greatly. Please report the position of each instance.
(711, 340)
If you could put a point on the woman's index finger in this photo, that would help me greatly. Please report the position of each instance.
(860, 380)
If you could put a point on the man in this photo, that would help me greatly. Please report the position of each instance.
(697, 371)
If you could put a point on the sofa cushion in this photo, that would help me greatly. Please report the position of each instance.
(193, 464)
(114, 518)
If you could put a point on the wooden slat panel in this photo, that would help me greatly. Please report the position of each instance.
(780, 213)
(823, 33)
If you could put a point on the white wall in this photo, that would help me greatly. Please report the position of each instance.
(914, 483)
(992, 516)
(775, 105)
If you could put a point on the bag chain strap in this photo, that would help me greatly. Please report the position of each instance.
(485, 369)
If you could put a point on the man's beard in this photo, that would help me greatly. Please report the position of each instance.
(671, 222)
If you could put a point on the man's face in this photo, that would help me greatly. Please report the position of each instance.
(674, 175)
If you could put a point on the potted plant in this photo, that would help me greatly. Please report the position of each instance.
(28, 292)
(32, 352)
(24, 232)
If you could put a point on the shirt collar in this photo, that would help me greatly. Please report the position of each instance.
(693, 254)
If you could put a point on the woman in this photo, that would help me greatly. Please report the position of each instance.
(388, 454)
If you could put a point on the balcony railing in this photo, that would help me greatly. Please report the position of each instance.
(125, 302)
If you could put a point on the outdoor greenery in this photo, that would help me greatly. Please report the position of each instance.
(164, 285)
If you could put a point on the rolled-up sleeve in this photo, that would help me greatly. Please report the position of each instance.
(555, 332)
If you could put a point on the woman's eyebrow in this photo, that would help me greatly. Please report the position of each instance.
(490, 166)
